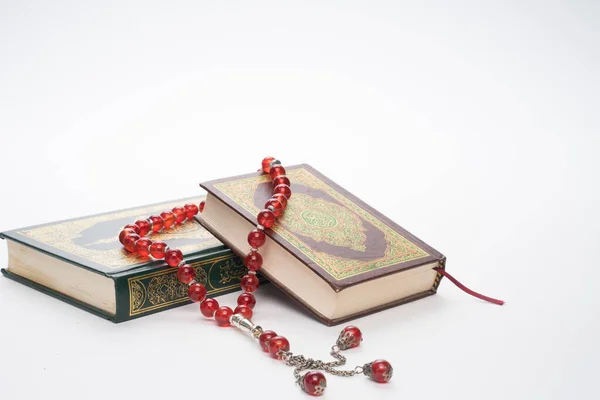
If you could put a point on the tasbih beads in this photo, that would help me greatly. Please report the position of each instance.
(134, 239)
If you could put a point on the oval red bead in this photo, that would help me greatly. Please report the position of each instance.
(201, 206)
(264, 338)
(186, 273)
(277, 206)
(157, 223)
(129, 242)
(157, 249)
(222, 315)
(190, 210)
(179, 213)
(276, 344)
(349, 337)
(253, 261)
(168, 219)
(282, 199)
(144, 227)
(284, 190)
(276, 171)
(256, 238)
(249, 283)
(381, 371)
(124, 233)
(142, 247)
(134, 227)
(208, 307)
(245, 311)
(314, 383)
(246, 299)
(197, 292)
(266, 164)
(266, 218)
(281, 180)
(173, 257)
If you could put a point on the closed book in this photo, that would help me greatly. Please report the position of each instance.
(82, 262)
(332, 253)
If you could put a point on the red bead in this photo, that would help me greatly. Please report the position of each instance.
(282, 199)
(157, 249)
(201, 206)
(142, 247)
(349, 337)
(144, 227)
(173, 257)
(208, 307)
(179, 213)
(381, 371)
(129, 242)
(281, 180)
(264, 338)
(266, 218)
(197, 292)
(190, 210)
(277, 206)
(222, 315)
(253, 261)
(157, 223)
(245, 311)
(284, 190)
(134, 227)
(256, 238)
(266, 164)
(124, 233)
(246, 299)
(276, 171)
(186, 273)
(249, 283)
(168, 219)
(314, 383)
(276, 344)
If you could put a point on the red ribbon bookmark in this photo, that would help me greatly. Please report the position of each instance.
(466, 289)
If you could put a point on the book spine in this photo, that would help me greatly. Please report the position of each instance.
(146, 292)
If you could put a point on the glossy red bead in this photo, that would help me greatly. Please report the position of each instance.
(129, 242)
(201, 206)
(249, 283)
(245, 311)
(314, 383)
(208, 307)
(157, 223)
(142, 247)
(144, 227)
(168, 219)
(349, 337)
(246, 299)
(197, 292)
(264, 338)
(277, 207)
(282, 199)
(281, 180)
(276, 344)
(179, 213)
(284, 190)
(124, 233)
(157, 249)
(256, 238)
(266, 164)
(186, 273)
(190, 210)
(276, 171)
(253, 261)
(381, 371)
(266, 218)
(222, 315)
(173, 257)
(134, 227)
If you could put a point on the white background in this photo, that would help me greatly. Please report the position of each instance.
(472, 124)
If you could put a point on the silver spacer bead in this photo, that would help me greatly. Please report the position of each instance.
(148, 220)
(258, 226)
(191, 282)
(254, 249)
(251, 272)
(274, 163)
(271, 208)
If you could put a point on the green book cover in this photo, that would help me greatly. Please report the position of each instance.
(81, 261)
